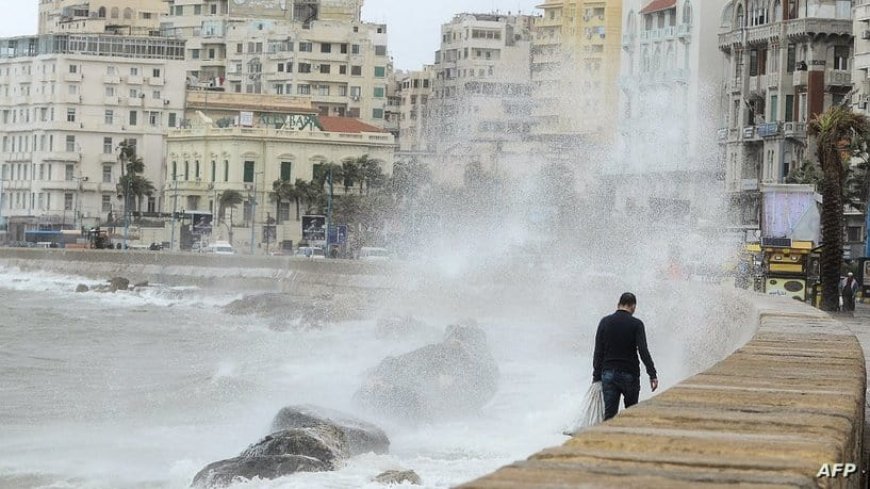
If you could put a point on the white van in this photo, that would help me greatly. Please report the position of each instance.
(220, 248)
(374, 254)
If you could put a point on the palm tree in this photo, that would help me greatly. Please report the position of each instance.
(834, 130)
(229, 199)
(132, 183)
(350, 173)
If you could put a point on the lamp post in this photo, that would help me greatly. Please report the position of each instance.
(174, 212)
(328, 212)
(77, 220)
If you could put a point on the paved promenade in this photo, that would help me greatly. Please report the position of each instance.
(859, 323)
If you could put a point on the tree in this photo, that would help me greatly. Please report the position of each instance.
(284, 190)
(229, 199)
(350, 173)
(834, 130)
(132, 184)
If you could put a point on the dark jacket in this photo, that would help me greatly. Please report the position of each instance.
(620, 338)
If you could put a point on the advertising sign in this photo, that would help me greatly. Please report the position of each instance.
(314, 229)
(786, 287)
(201, 223)
(338, 234)
(246, 119)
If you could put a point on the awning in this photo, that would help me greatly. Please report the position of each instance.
(659, 5)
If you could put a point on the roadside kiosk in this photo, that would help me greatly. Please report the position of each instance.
(787, 267)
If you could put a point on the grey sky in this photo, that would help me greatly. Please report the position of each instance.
(414, 25)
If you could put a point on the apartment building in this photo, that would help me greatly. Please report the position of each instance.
(670, 79)
(415, 89)
(575, 63)
(314, 48)
(246, 142)
(785, 61)
(856, 224)
(482, 104)
(123, 17)
(66, 102)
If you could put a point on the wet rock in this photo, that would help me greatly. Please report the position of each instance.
(82, 288)
(102, 288)
(301, 312)
(361, 437)
(141, 284)
(119, 283)
(225, 472)
(455, 377)
(398, 477)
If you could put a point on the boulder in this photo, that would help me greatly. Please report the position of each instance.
(362, 437)
(225, 472)
(141, 284)
(455, 377)
(306, 312)
(398, 477)
(323, 442)
(119, 283)
(82, 288)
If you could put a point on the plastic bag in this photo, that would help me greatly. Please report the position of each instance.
(593, 409)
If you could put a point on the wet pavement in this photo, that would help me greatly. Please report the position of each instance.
(859, 322)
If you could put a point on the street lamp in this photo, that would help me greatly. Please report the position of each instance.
(174, 210)
(79, 200)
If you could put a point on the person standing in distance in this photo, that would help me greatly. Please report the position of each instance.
(620, 338)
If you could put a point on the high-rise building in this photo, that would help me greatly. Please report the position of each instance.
(66, 103)
(313, 48)
(669, 84)
(785, 61)
(482, 93)
(415, 91)
(575, 63)
(123, 17)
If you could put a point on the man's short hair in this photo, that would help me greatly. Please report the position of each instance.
(627, 299)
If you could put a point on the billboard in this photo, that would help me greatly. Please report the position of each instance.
(260, 8)
(790, 214)
(314, 229)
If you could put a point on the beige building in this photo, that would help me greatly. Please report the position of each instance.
(245, 143)
(66, 103)
(784, 62)
(124, 17)
(316, 48)
(415, 89)
(575, 64)
(480, 110)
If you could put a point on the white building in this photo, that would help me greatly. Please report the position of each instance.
(415, 91)
(314, 48)
(66, 103)
(123, 17)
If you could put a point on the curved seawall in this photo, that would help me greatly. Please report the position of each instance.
(768, 416)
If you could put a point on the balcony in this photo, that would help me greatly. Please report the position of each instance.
(156, 82)
(800, 78)
(758, 85)
(750, 134)
(133, 80)
(773, 80)
(110, 101)
(112, 79)
(72, 77)
(62, 156)
(762, 33)
(767, 130)
(838, 78)
(795, 130)
(729, 39)
(684, 30)
(802, 28)
(862, 12)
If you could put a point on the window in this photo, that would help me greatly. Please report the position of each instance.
(194, 53)
(213, 170)
(174, 170)
(789, 108)
(67, 202)
(305, 47)
(107, 173)
(226, 170)
(109, 117)
(774, 108)
(280, 67)
(342, 69)
(108, 148)
(110, 91)
(379, 92)
(324, 69)
(286, 166)
(172, 119)
(186, 171)
(73, 69)
(323, 91)
(791, 58)
(70, 115)
(380, 72)
(344, 48)
(303, 89)
(377, 113)
(380, 50)
(853, 233)
(107, 203)
(197, 10)
(249, 172)
(356, 70)
(841, 58)
(354, 49)
(355, 92)
(133, 117)
(68, 172)
(304, 68)
(71, 144)
(154, 119)
(155, 94)
(753, 62)
(325, 47)
(196, 169)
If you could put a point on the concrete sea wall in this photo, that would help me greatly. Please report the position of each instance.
(768, 416)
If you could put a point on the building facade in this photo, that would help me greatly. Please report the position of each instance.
(481, 105)
(314, 48)
(669, 84)
(415, 90)
(785, 61)
(575, 64)
(66, 103)
(245, 143)
(123, 17)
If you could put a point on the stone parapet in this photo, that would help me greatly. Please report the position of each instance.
(768, 416)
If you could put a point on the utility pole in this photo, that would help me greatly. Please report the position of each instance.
(174, 212)
(328, 212)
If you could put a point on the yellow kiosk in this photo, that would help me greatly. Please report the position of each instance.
(787, 267)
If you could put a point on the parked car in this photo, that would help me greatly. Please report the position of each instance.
(311, 252)
(220, 248)
(368, 253)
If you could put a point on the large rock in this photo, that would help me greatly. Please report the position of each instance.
(304, 312)
(82, 288)
(398, 477)
(452, 378)
(312, 449)
(362, 437)
(119, 283)
(225, 472)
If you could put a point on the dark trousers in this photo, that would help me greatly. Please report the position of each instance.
(848, 302)
(615, 384)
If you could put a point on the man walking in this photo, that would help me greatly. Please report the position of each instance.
(620, 338)
(848, 289)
